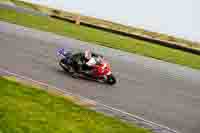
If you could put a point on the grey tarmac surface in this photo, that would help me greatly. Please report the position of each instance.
(161, 92)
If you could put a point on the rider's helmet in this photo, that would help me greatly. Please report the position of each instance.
(88, 54)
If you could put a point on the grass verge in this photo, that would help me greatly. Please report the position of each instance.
(24, 4)
(101, 37)
(24, 109)
(4, 1)
(108, 24)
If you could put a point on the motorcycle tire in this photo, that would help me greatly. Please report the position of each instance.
(111, 80)
(65, 67)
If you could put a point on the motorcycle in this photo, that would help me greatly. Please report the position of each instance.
(100, 72)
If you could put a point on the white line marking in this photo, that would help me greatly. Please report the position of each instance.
(147, 122)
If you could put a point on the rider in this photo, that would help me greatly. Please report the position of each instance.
(90, 61)
(83, 61)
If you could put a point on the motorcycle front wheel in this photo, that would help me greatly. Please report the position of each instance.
(111, 80)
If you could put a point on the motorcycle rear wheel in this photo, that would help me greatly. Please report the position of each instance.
(65, 67)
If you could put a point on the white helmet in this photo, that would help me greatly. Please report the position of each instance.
(88, 54)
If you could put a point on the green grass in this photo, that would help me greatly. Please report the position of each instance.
(23, 4)
(25, 109)
(4, 1)
(102, 38)
(110, 25)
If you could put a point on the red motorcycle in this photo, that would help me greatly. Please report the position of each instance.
(100, 72)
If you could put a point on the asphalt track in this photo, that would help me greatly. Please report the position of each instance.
(165, 93)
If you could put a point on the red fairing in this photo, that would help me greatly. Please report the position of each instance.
(102, 69)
